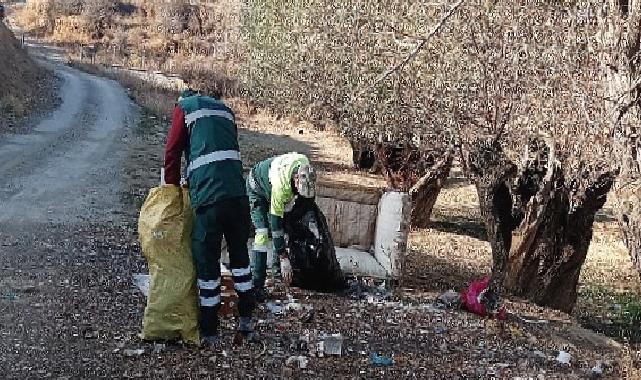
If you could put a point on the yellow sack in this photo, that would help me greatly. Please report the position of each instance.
(164, 230)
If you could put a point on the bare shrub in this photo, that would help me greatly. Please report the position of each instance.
(98, 15)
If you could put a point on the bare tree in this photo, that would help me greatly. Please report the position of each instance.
(526, 93)
(98, 15)
(621, 38)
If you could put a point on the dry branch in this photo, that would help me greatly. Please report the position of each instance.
(411, 55)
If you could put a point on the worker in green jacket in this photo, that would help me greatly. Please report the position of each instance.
(272, 187)
(204, 129)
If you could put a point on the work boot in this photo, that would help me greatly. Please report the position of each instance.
(276, 270)
(211, 341)
(261, 294)
(246, 330)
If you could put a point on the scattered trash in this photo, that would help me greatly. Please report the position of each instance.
(308, 316)
(539, 354)
(333, 344)
(440, 330)
(320, 349)
(564, 357)
(471, 299)
(293, 306)
(10, 296)
(380, 361)
(159, 347)
(274, 308)
(282, 326)
(534, 321)
(142, 283)
(137, 352)
(597, 370)
(449, 300)
(300, 361)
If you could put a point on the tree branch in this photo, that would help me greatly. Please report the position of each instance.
(411, 55)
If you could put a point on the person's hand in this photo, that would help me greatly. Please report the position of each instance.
(286, 270)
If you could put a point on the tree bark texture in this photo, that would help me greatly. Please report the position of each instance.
(425, 192)
(628, 209)
(548, 251)
(491, 171)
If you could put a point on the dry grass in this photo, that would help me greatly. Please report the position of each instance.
(156, 100)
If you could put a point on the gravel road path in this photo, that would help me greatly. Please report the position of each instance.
(63, 171)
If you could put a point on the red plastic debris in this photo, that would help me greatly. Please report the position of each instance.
(471, 299)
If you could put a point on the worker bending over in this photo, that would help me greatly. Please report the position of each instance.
(272, 186)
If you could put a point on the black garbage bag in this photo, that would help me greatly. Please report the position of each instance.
(311, 249)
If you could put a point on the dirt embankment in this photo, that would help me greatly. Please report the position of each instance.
(24, 85)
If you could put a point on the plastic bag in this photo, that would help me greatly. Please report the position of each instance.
(471, 298)
(164, 230)
(312, 251)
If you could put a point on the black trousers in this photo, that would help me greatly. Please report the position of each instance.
(228, 219)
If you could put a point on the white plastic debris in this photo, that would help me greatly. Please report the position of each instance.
(142, 282)
(137, 352)
(597, 370)
(564, 357)
(320, 348)
(159, 347)
(274, 308)
(293, 306)
(534, 321)
(300, 361)
(333, 344)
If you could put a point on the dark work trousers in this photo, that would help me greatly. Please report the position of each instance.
(228, 218)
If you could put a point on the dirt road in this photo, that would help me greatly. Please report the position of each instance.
(63, 170)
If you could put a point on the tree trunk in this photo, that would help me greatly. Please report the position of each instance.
(402, 164)
(539, 236)
(546, 257)
(363, 154)
(491, 171)
(628, 209)
(426, 191)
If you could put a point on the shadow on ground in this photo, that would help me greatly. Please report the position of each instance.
(461, 225)
(437, 274)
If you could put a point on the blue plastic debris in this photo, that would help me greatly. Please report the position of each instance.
(380, 361)
(440, 330)
(10, 296)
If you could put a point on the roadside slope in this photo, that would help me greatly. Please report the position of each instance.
(24, 85)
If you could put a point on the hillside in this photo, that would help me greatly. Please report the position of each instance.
(24, 85)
